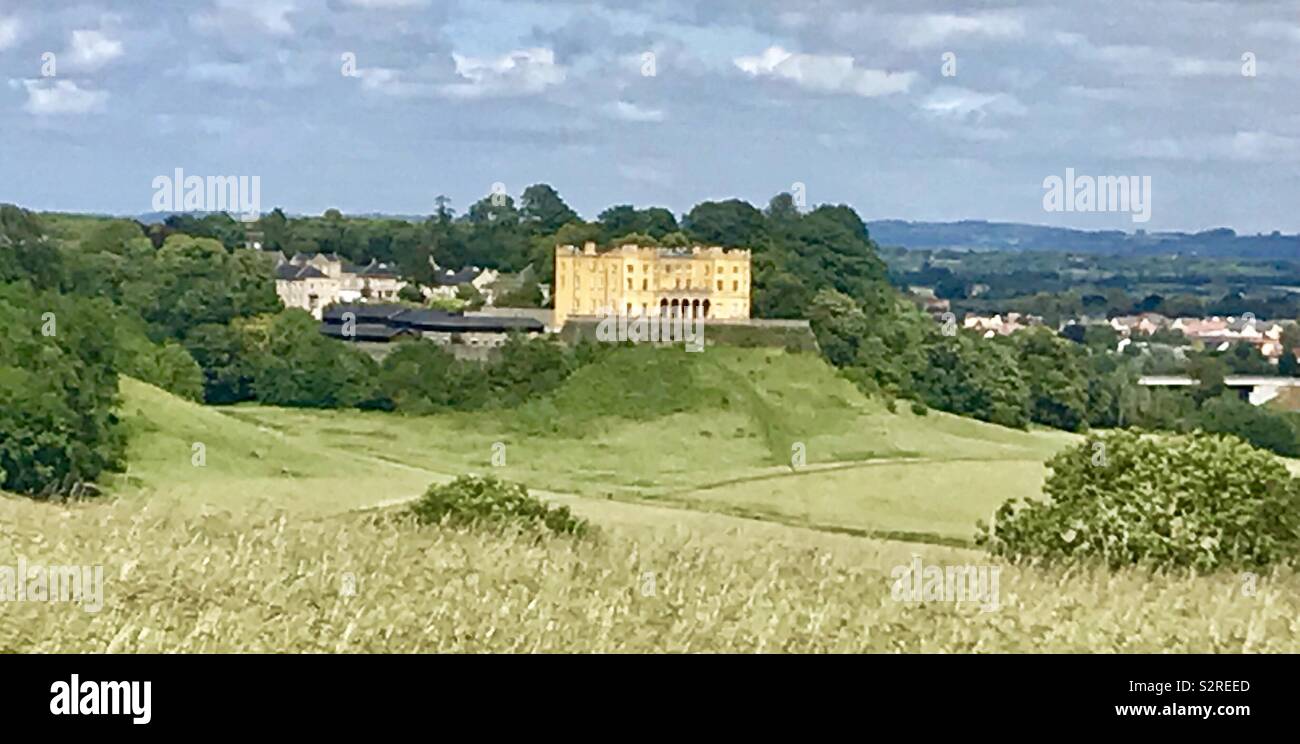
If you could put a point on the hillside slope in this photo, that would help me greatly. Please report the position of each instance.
(714, 431)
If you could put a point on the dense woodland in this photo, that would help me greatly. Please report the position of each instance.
(183, 305)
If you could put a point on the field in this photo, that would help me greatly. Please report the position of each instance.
(710, 537)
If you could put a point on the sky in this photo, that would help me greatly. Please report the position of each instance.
(903, 109)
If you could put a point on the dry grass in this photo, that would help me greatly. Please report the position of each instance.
(179, 583)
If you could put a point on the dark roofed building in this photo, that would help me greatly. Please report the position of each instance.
(367, 332)
(436, 321)
(365, 313)
(378, 269)
(449, 278)
(291, 273)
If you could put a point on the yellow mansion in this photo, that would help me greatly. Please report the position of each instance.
(638, 280)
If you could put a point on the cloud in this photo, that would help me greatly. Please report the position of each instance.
(1243, 147)
(390, 82)
(963, 104)
(1103, 94)
(386, 4)
(1144, 60)
(91, 50)
(520, 73)
(52, 98)
(645, 172)
(1288, 31)
(240, 16)
(8, 32)
(824, 73)
(937, 28)
(624, 111)
(1195, 67)
(228, 73)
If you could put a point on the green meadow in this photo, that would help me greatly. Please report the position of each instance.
(745, 500)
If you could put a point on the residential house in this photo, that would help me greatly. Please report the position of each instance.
(448, 282)
(314, 282)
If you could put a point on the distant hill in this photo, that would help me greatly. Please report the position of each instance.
(1014, 236)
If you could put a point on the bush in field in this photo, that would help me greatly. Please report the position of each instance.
(58, 392)
(1200, 500)
(475, 500)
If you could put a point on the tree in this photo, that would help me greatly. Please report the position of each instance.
(25, 253)
(195, 281)
(470, 295)
(1058, 390)
(410, 293)
(675, 239)
(977, 378)
(442, 209)
(226, 361)
(782, 208)
(543, 210)
(1210, 373)
(1228, 414)
(58, 393)
(527, 294)
(731, 223)
(420, 377)
(526, 368)
(1290, 341)
(618, 220)
(292, 364)
(494, 209)
(657, 221)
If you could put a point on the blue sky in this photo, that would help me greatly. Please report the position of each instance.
(747, 98)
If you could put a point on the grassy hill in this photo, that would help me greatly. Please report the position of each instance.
(712, 431)
(273, 544)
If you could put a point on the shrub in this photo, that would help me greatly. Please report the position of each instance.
(478, 500)
(1202, 501)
